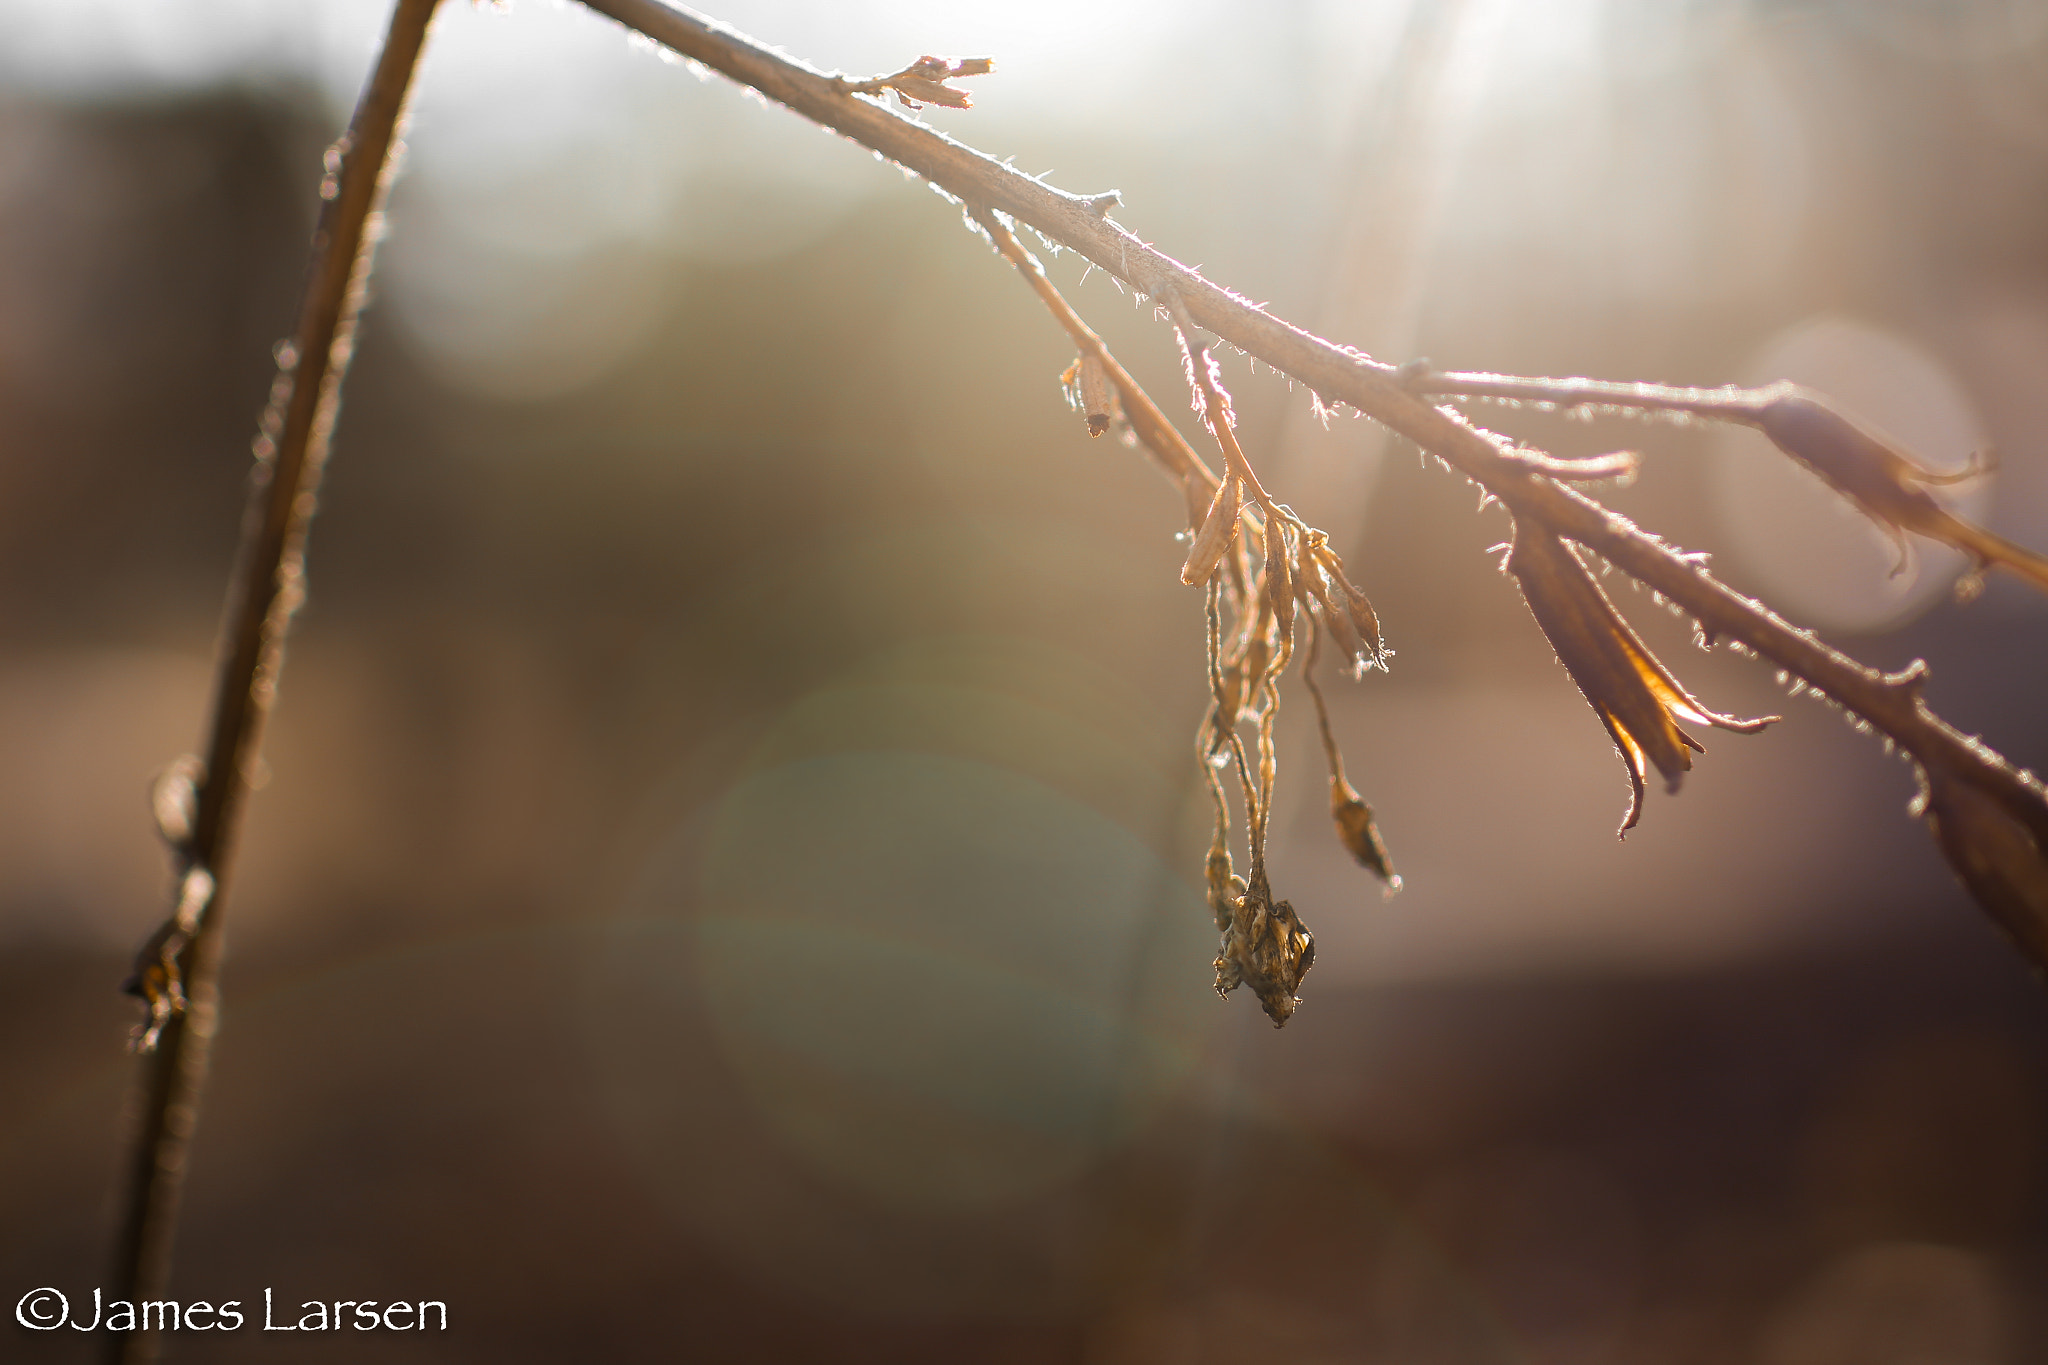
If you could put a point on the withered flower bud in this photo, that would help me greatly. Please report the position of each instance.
(1279, 581)
(1364, 619)
(1217, 534)
(1886, 486)
(1313, 586)
(1360, 836)
(1635, 697)
(1266, 947)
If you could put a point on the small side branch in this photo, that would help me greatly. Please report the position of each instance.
(1884, 483)
(178, 969)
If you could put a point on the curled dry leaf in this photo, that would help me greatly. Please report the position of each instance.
(1217, 534)
(1886, 486)
(1998, 858)
(1634, 695)
(1266, 947)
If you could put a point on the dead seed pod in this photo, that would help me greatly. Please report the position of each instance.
(1267, 948)
(1359, 835)
(1217, 534)
(1634, 695)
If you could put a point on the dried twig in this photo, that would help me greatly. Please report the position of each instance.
(198, 804)
(1886, 484)
(1992, 818)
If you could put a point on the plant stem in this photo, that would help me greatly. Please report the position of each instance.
(1891, 704)
(267, 589)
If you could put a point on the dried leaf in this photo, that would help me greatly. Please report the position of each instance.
(1635, 697)
(1218, 533)
(1997, 857)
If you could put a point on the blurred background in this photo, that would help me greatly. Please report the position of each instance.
(728, 879)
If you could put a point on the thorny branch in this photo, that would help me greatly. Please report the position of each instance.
(1990, 818)
(198, 803)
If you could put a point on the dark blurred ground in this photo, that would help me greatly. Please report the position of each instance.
(726, 886)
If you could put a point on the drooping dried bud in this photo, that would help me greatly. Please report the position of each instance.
(1999, 859)
(1360, 836)
(1266, 947)
(1279, 579)
(1217, 534)
(1886, 486)
(1097, 397)
(1337, 610)
(1364, 620)
(1635, 697)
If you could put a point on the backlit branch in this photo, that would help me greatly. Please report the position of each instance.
(1965, 785)
(198, 803)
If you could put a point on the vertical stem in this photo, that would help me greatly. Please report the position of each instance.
(267, 589)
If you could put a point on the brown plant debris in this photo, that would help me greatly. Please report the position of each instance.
(1089, 392)
(924, 82)
(1265, 947)
(1217, 533)
(1634, 695)
(1353, 818)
